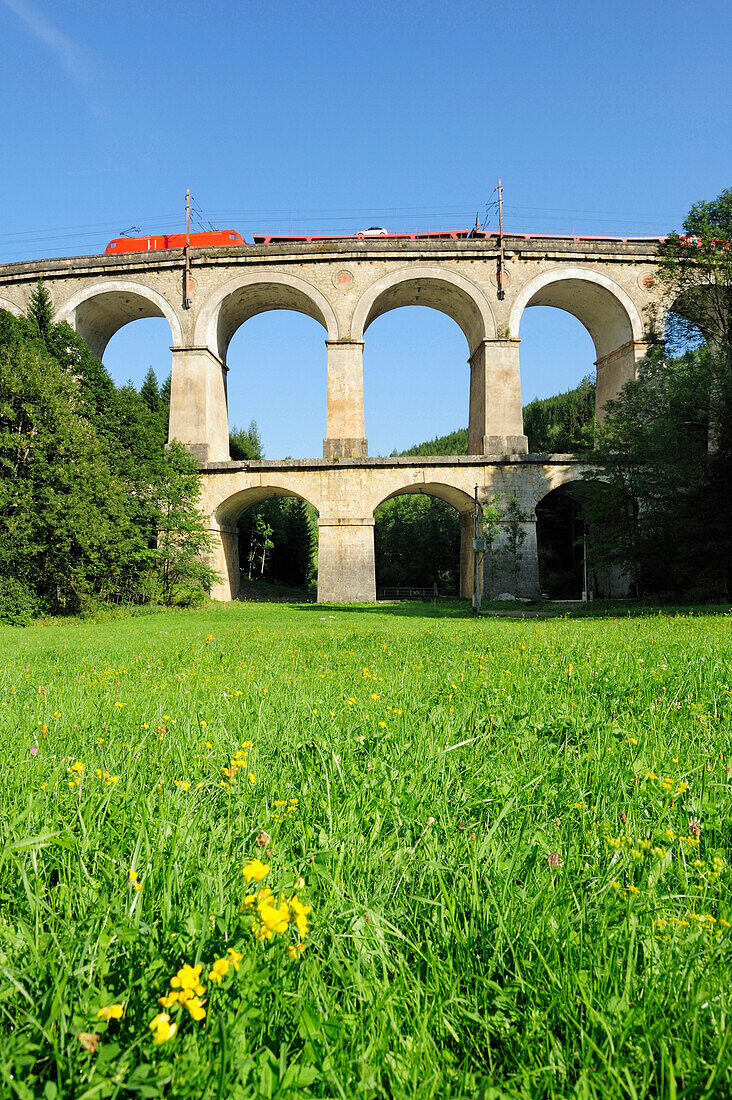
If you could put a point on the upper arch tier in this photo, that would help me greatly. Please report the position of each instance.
(98, 311)
(432, 285)
(248, 294)
(598, 302)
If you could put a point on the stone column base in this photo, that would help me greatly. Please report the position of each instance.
(467, 564)
(504, 445)
(225, 560)
(345, 448)
(346, 561)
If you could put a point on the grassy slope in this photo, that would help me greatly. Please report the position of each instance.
(445, 958)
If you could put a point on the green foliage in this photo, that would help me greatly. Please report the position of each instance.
(150, 392)
(180, 556)
(455, 443)
(89, 498)
(649, 494)
(18, 602)
(277, 541)
(514, 522)
(514, 836)
(561, 424)
(696, 273)
(245, 444)
(40, 309)
(662, 511)
(564, 423)
(417, 542)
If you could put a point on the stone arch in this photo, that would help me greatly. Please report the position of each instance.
(462, 502)
(600, 304)
(464, 505)
(244, 296)
(224, 535)
(230, 509)
(564, 542)
(99, 311)
(427, 285)
(11, 307)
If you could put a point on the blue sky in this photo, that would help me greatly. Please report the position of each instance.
(329, 116)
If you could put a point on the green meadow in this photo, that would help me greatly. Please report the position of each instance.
(305, 851)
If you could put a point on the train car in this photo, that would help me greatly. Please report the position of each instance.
(446, 234)
(217, 238)
(365, 234)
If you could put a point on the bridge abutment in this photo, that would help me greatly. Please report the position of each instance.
(495, 423)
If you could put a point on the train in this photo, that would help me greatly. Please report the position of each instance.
(218, 238)
(228, 238)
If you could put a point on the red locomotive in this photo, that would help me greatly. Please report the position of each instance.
(217, 238)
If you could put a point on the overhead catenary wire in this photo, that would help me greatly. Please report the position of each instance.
(89, 238)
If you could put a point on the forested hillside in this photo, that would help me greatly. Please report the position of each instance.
(560, 424)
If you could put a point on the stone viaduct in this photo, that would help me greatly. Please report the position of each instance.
(610, 285)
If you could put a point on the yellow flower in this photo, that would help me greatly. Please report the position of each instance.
(218, 971)
(252, 779)
(132, 875)
(301, 911)
(162, 1028)
(256, 870)
(195, 1008)
(111, 1012)
(235, 957)
(188, 978)
(274, 918)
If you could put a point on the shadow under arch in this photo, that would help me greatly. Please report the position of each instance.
(229, 511)
(292, 538)
(402, 556)
(604, 308)
(427, 285)
(564, 534)
(245, 296)
(97, 312)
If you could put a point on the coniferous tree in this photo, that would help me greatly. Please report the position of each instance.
(245, 444)
(149, 391)
(40, 308)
